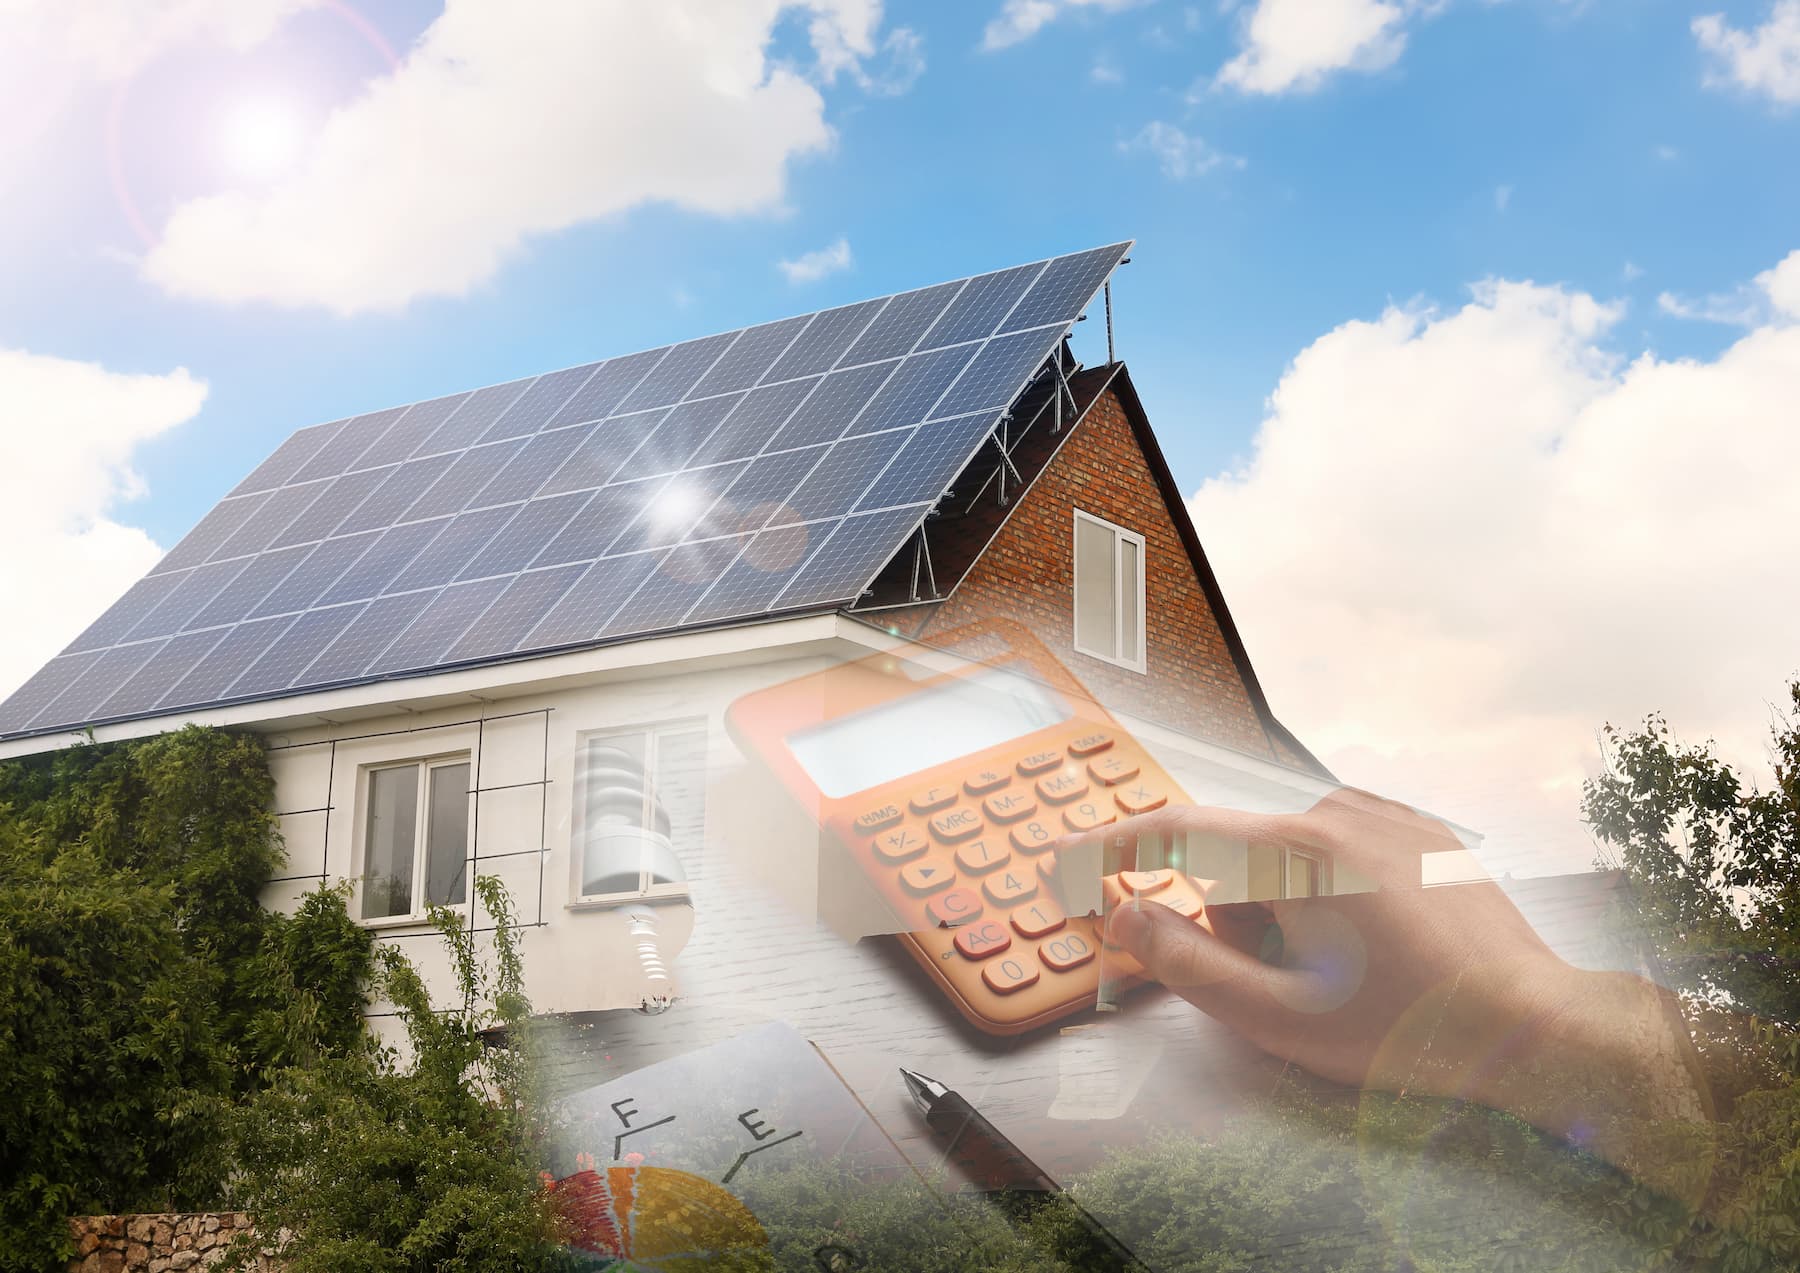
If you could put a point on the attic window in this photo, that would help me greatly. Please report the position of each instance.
(1109, 592)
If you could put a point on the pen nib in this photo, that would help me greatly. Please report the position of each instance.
(924, 1089)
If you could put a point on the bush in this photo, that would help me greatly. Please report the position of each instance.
(144, 986)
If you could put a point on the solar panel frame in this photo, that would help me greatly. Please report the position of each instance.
(218, 525)
(97, 682)
(250, 587)
(118, 618)
(28, 702)
(340, 454)
(825, 340)
(533, 409)
(899, 327)
(322, 517)
(869, 532)
(912, 379)
(151, 683)
(288, 458)
(409, 433)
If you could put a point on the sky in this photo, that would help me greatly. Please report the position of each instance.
(1472, 328)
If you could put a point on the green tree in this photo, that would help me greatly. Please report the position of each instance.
(142, 987)
(1715, 861)
(373, 1162)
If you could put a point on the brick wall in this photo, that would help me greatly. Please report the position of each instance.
(1027, 574)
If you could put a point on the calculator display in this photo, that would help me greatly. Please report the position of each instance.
(917, 731)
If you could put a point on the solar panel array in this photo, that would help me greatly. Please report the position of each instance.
(771, 469)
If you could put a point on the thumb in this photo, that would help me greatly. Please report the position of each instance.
(1219, 979)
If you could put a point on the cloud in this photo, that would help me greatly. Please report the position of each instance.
(813, 266)
(1466, 538)
(1181, 155)
(1105, 71)
(1631, 271)
(1019, 20)
(1294, 45)
(506, 123)
(1772, 297)
(1765, 61)
(1502, 198)
(68, 554)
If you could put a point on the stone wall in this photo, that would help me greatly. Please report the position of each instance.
(165, 1243)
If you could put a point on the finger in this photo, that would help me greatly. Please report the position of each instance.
(1223, 982)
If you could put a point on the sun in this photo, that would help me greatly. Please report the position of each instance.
(261, 138)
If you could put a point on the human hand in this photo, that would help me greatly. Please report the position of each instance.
(1447, 990)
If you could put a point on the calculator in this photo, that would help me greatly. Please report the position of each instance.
(944, 781)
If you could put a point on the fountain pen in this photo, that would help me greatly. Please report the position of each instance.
(1000, 1169)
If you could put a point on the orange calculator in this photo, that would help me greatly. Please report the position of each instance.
(944, 780)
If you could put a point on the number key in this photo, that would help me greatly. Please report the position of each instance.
(1009, 887)
(978, 857)
(1141, 882)
(1063, 953)
(1037, 919)
(1087, 815)
(1004, 976)
(1031, 837)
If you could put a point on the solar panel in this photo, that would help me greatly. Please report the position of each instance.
(777, 467)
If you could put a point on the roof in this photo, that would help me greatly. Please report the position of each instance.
(770, 470)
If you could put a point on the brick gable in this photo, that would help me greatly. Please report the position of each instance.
(1026, 573)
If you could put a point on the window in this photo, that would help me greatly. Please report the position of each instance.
(1109, 591)
(642, 806)
(1304, 874)
(416, 837)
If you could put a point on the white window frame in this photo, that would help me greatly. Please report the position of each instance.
(1119, 602)
(419, 913)
(652, 732)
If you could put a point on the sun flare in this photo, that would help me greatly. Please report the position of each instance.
(261, 139)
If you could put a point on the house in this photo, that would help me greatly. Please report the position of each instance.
(497, 632)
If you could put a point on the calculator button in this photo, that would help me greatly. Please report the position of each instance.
(1071, 950)
(958, 906)
(1088, 744)
(1141, 882)
(1003, 976)
(1087, 815)
(926, 877)
(958, 824)
(1110, 771)
(876, 819)
(1181, 903)
(987, 780)
(1009, 806)
(1140, 797)
(1009, 887)
(932, 799)
(1037, 919)
(978, 941)
(902, 844)
(1031, 837)
(1063, 787)
(1039, 761)
(978, 857)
